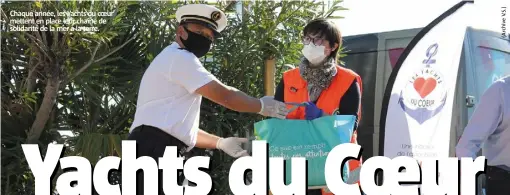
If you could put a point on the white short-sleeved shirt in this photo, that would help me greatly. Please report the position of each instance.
(166, 97)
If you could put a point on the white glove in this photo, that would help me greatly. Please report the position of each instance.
(232, 146)
(273, 108)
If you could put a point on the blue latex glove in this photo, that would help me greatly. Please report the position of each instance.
(312, 111)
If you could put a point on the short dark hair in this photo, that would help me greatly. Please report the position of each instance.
(327, 30)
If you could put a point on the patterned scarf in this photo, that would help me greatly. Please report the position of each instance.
(318, 77)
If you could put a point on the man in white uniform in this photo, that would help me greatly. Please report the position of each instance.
(168, 107)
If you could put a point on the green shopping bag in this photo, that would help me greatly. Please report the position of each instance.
(312, 139)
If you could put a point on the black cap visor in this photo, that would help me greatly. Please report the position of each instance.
(206, 24)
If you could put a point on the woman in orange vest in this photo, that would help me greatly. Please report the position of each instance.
(327, 87)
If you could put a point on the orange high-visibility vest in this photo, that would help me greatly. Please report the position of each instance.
(296, 91)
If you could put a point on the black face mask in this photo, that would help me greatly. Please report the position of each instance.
(196, 43)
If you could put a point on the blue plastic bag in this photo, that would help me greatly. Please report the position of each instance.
(312, 139)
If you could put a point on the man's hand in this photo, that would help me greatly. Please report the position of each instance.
(232, 146)
(273, 108)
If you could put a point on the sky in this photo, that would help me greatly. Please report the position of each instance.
(372, 16)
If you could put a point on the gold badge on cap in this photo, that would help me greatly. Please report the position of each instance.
(216, 15)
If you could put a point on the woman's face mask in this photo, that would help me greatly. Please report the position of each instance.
(314, 54)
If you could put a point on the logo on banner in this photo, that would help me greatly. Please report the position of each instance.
(424, 95)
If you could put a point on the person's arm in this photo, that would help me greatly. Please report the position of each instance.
(229, 97)
(189, 73)
(231, 145)
(206, 140)
(350, 103)
(279, 93)
(484, 121)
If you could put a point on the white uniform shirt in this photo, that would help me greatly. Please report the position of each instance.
(166, 97)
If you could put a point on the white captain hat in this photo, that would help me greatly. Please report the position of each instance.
(207, 15)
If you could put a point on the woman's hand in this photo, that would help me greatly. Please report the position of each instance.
(312, 111)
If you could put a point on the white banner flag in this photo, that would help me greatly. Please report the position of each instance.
(417, 114)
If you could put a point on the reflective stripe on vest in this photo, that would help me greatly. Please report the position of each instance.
(296, 90)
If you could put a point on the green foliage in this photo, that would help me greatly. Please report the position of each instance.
(48, 79)
(94, 77)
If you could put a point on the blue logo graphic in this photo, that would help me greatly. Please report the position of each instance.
(424, 96)
(431, 52)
